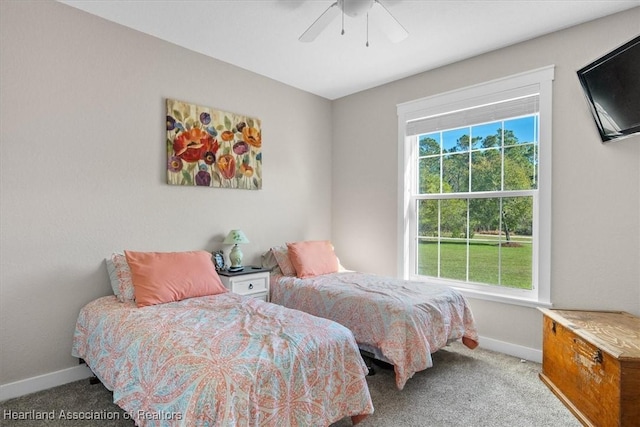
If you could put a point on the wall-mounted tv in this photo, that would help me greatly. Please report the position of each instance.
(612, 87)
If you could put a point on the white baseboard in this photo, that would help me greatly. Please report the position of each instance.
(43, 382)
(64, 376)
(515, 350)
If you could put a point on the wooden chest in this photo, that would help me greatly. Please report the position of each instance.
(591, 361)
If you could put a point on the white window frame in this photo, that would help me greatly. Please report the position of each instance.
(540, 81)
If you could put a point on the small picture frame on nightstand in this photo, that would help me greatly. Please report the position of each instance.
(218, 260)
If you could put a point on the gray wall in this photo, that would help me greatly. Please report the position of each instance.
(83, 168)
(596, 187)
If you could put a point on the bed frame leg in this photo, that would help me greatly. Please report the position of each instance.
(92, 380)
(369, 362)
(372, 370)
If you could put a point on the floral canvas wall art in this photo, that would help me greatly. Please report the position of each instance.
(212, 148)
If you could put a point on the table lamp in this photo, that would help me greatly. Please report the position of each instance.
(235, 238)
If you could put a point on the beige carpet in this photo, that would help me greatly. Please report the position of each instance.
(463, 388)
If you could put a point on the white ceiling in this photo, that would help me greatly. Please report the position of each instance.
(262, 35)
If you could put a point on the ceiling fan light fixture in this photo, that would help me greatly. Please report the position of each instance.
(382, 18)
(354, 8)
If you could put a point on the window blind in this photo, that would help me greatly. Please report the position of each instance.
(515, 107)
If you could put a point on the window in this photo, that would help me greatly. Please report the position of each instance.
(475, 185)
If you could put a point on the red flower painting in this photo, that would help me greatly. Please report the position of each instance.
(212, 148)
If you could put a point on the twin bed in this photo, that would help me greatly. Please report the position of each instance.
(206, 356)
(186, 352)
(396, 321)
(222, 360)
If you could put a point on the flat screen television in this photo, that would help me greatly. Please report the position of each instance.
(612, 87)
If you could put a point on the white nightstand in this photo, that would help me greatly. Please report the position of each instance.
(252, 282)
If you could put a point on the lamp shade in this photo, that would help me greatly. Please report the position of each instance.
(235, 237)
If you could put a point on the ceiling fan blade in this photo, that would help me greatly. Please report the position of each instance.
(320, 24)
(389, 25)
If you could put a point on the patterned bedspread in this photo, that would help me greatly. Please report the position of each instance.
(406, 321)
(222, 360)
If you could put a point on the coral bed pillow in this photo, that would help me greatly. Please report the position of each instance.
(160, 277)
(312, 258)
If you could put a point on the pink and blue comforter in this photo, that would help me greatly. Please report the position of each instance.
(222, 360)
(403, 320)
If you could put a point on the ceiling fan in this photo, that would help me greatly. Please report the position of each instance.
(382, 18)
